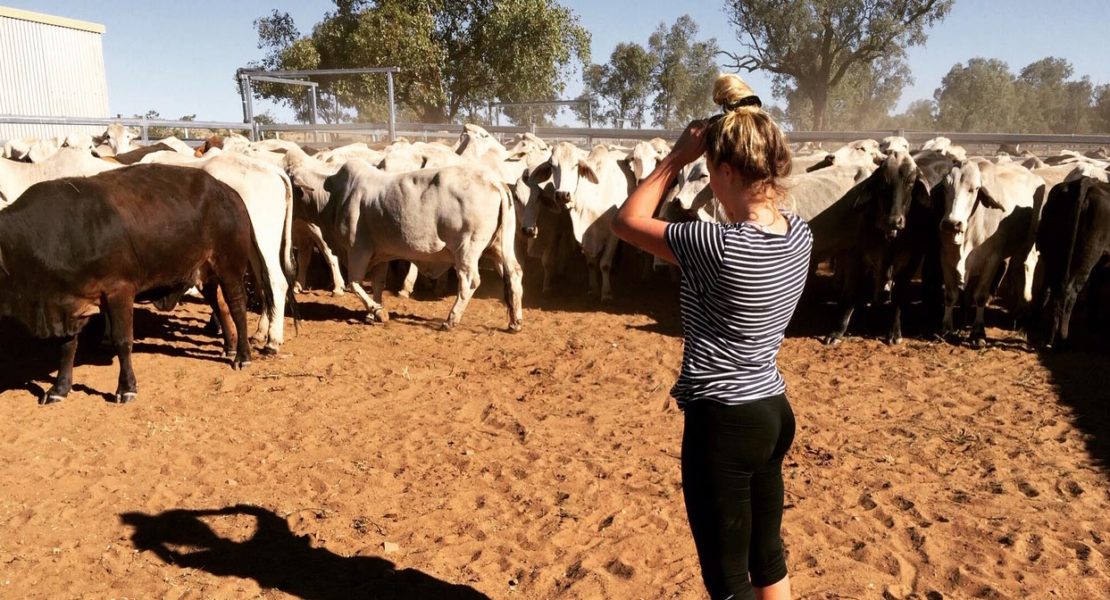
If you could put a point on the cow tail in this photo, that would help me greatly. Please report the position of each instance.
(506, 228)
(288, 267)
(266, 294)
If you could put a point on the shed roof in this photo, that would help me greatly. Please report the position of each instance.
(34, 17)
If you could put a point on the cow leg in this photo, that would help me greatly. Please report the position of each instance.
(547, 264)
(333, 262)
(410, 281)
(260, 334)
(64, 381)
(979, 297)
(847, 301)
(121, 307)
(512, 277)
(236, 298)
(304, 257)
(593, 277)
(221, 314)
(378, 275)
(947, 325)
(607, 266)
(357, 262)
(900, 300)
(467, 268)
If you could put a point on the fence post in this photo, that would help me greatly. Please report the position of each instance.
(143, 128)
(392, 107)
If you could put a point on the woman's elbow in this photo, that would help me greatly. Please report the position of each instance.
(619, 227)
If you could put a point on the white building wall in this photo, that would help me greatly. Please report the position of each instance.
(50, 66)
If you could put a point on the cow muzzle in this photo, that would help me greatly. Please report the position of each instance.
(953, 226)
(530, 232)
(562, 197)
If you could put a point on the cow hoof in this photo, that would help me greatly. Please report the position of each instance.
(125, 397)
(239, 365)
(338, 292)
(405, 293)
(606, 298)
(833, 340)
(51, 397)
(515, 327)
(978, 342)
(446, 326)
(297, 289)
(893, 340)
(268, 351)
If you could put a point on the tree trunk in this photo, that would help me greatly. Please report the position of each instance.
(820, 99)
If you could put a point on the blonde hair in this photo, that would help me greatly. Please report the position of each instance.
(745, 137)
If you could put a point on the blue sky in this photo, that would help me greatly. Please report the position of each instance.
(180, 57)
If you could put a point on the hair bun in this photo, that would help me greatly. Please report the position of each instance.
(730, 92)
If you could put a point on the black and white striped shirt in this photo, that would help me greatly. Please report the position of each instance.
(740, 286)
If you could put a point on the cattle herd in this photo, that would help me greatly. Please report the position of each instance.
(91, 224)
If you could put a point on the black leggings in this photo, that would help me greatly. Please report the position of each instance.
(732, 482)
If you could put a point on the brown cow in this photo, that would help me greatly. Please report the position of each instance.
(71, 246)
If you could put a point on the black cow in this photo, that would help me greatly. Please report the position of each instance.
(885, 227)
(72, 246)
(1074, 236)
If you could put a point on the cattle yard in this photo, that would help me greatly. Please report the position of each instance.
(399, 461)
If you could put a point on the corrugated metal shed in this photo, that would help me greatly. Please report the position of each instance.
(50, 66)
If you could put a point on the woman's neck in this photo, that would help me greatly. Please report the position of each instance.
(749, 206)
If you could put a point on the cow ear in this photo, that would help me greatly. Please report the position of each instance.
(518, 155)
(987, 200)
(540, 174)
(585, 169)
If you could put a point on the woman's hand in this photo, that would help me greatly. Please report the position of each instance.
(691, 144)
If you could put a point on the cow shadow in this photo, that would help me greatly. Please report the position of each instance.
(29, 363)
(276, 558)
(1077, 376)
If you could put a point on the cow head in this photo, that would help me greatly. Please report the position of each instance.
(477, 141)
(859, 153)
(644, 157)
(118, 138)
(566, 168)
(894, 143)
(964, 193)
(693, 182)
(891, 191)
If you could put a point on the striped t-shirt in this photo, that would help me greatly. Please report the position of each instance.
(740, 286)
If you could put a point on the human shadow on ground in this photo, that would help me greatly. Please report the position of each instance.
(278, 559)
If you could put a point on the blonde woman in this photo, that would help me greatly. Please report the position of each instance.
(740, 285)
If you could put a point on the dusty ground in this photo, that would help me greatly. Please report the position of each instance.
(401, 462)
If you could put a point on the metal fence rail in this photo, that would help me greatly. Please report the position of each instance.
(589, 135)
(142, 123)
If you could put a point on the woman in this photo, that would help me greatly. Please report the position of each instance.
(740, 285)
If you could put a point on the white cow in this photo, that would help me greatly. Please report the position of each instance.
(990, 220)
(268, 196)
(437, 218)
(117, 138)
(16, 177)
(340, 155)
(646, 155)
(859, 153)
(894, 143)
(591, 187)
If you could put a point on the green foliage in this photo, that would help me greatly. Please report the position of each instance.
(620, 89)
(985, 96)
(812, 47)
(685, 69)
(455, 56)
(863, 100)
(920, 115)
(979, 97)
